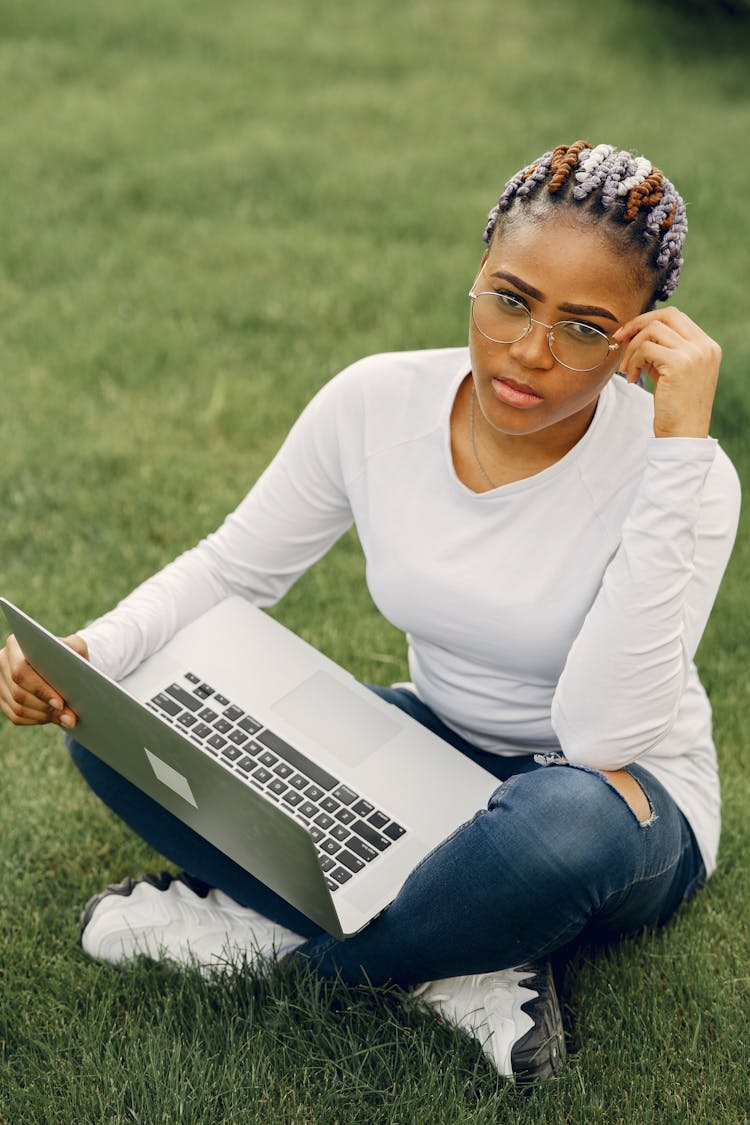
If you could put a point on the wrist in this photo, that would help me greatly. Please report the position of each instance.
(681, 432)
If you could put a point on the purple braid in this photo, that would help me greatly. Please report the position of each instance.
(621, 167)
(618, 188)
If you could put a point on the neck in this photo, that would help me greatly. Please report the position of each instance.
(503, 456)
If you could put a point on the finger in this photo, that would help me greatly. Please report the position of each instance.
(24, 676)
(672, 317)
(25, 721)
(20, 706)
(661, 334)
(654, 358)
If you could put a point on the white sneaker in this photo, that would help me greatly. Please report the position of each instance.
(180, 919)
(513, 1013)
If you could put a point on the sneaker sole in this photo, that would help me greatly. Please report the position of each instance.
(541, 1053)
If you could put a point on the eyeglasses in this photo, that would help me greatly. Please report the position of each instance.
(504, 319)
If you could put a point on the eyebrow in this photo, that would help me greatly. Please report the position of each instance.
(537, 295)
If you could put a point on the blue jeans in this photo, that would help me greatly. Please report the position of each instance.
(556, 855)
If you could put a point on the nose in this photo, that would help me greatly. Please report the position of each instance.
(533, 350)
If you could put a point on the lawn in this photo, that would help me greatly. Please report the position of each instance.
(205, 212)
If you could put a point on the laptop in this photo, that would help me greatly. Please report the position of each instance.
(275, 754)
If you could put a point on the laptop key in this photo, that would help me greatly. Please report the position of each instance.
(222, 726)
(191, 676)
(201, 730)
(291, 797)
(363, 850)
(394, 831)
(220, 699)
(324, 820)
(307, 809)
(341, 875)
(298, 781)
(253, 747)
(315, 772)
(164, 703)
(346, 816)
(277, 786)
(238, 737)
(363, 808)
(330, 847)
(208, 715)
(316, 833)
(184, 697)
(328, 804)
(378, 820)
(203, 690)
(367, 832)
(262, 775)
(231, 752)
(345, 795)
(233, 713)
(246, 764)
(326, 863)
(283, 770)
(186, 719)
(267, 758)
(313, 792)
(339, 832)
(250, 725)
(217, 741)
(353, 862)
(330, 884)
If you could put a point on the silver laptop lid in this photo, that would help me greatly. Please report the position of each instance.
(125, 734)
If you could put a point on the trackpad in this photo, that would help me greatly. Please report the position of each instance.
(339, 719)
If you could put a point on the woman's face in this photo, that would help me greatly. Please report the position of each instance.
(560, 271)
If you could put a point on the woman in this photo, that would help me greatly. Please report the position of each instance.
(551, 540)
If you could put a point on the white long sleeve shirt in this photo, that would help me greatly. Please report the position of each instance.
(557, 613)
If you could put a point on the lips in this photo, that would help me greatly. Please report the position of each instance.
(520, 396)
(523, 387)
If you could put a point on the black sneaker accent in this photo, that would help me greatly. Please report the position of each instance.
(540, 1053)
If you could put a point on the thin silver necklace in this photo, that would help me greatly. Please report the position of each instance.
(480, 466)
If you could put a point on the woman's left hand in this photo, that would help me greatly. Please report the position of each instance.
(683, 363)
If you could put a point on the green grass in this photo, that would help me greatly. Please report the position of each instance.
(205, 211)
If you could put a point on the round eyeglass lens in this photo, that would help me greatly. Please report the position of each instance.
(578, 346)
(504, 320)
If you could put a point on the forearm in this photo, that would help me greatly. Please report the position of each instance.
(146, 619)
(622, 683)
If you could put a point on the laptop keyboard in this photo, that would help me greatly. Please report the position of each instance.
(349, 831)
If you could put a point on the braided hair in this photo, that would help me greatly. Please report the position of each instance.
(641, 205)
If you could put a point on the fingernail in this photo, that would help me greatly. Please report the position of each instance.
(56, 704)
(67, 720)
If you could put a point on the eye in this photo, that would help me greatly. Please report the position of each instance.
(509, 303)
(577, 330)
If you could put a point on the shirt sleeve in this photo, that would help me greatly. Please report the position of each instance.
(289, 519)
(620, 689)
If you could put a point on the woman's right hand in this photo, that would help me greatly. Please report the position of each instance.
(25, 698)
